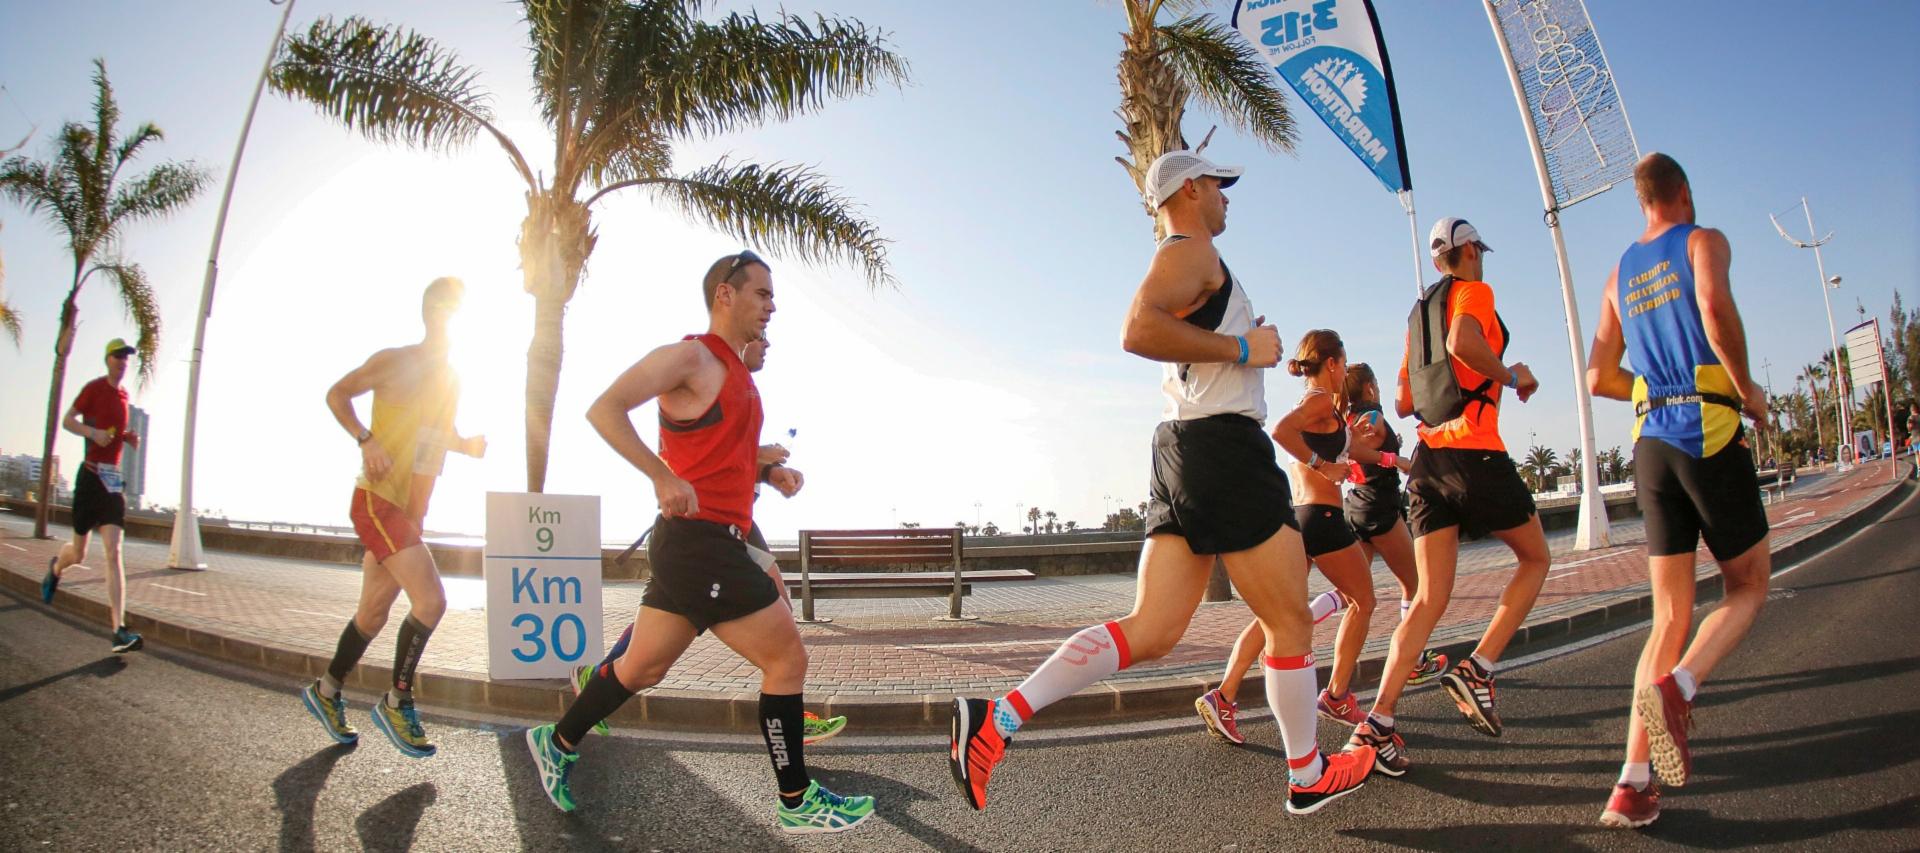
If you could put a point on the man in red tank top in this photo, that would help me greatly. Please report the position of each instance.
(703, 575)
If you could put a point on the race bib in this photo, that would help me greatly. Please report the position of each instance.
(110, 477)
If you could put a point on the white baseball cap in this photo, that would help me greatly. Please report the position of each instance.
(1172, 170)
(1452, 232)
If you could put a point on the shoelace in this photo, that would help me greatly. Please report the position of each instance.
(413, 720)
(339, 705)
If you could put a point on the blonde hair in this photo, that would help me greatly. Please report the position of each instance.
(1314, 350)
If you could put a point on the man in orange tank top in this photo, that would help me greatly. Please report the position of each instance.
(415, 393)
(704, 576)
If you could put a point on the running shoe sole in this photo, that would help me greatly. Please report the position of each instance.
(1666, 754)
(1321, 803)
(961, 732)
(1213, 724)
(1463, 697)
(307, 699)
(1617, 820)
(813, 739)
(824, 830)
(132, 645)
(406, 749)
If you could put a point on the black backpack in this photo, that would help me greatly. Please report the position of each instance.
(1437, 395)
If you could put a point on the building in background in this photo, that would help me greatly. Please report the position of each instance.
(133, 460)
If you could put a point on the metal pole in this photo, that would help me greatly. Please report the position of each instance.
(1839, 400)
(1592, 528)
(184, 553)
(1413, 233)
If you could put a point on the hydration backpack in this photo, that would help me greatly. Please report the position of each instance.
(1437, 394)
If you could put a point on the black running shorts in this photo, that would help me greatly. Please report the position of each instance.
(1479, 491)
(702, 571)
(1323, 528)
(1685, 499)
(1372, 517)
(93, 506)
(1215, 483)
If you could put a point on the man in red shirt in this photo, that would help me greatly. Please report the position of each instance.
(704, 576)
(99, 415)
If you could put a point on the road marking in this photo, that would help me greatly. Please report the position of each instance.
(1798, 515)
(311, 613)
(16, 547)
(1583, 562)
(177, 589)
(1562, 575)
(1005, 645)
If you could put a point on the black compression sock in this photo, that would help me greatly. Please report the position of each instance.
(406, 655)
(782, 723)
(347, 653)
(603, 695)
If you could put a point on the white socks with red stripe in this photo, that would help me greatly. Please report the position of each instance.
(1084, 659)
(1291, 690)
(1323, 605)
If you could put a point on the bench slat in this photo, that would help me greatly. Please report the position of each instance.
(898, 532)
(911, 578)
(818, 543)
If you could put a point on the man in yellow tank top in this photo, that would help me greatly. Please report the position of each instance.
(415, 393)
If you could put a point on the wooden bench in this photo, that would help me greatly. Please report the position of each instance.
(1776, 491)
(834, 548)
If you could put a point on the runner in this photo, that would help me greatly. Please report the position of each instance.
(1317, 436)
(1462, 479)
(99, 415)
(1215, 490)
(703, 573)
(1373, 504)
(415, 396)
(818, 728)
(1669, 306)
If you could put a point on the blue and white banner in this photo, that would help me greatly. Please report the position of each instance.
(1331, 53)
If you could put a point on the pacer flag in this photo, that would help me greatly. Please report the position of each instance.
(1331, 53)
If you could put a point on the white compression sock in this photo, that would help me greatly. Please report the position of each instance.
(1084, 659)
(1291, 690)
(1323, 605)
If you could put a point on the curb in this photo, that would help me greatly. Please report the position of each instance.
(702, 711)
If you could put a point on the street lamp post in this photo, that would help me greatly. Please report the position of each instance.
(184, 553)
(1833, 337)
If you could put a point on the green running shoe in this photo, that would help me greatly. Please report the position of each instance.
(821, 810)
(820, 728)
(330, 711)
(554, 765)
(580, 676)
(402, 726)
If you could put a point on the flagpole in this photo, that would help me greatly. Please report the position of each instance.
(1592, 528)
(1413, 233)
(184, 553)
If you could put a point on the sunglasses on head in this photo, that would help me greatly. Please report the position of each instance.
(745, 257)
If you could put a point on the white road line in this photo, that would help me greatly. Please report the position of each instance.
(1798, 515)
(1005, 645)
(177, 589)
(15, 547)
(1582, 562)
(1562, 575)
(311, 613)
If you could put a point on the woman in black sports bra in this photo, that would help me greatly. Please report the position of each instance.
(1373, 504)
(1316, 433)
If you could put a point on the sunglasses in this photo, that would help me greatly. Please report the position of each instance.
(745, 257)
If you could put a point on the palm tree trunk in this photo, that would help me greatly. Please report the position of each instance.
(543, 385)
(1152, 103)
(555, 240)
(62, 345)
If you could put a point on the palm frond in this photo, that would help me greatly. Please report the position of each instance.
(162, 190)
(142, 307)
(390, 84)
(789, 210)
(106, 116)
(10, 321)
(742, 71)
(130, 146)
(34, 186)
(1231, 78)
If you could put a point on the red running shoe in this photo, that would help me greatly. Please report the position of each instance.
(976, 746)
(1631, 809)
(1431, 664)
(1389, 751)
(1343, 774)
(1472, 690)
(1342, 710)
(1669, 719)
(1219, 716)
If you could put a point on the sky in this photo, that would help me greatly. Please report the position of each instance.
(991, 378)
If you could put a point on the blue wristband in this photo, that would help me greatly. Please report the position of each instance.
(1513, 379)
(1243, 349)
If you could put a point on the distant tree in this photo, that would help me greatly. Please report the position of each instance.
(1072, 526)
(1033, 519)
(990, 529)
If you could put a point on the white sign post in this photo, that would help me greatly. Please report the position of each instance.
(542, 564)
(1866, 363)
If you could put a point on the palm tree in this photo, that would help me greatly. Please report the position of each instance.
(1072, 526)
(1051, 518)
(9, 318)
(81, 193)
(1615, 465)
(1033, 520)
(1540, 461)
(618, 83)
(1164, 65)
(1572, 466)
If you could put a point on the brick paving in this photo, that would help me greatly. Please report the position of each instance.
(878, 647)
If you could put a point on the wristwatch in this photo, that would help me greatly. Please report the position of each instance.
(365, 436)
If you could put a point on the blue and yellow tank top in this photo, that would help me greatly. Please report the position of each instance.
(1681, 394)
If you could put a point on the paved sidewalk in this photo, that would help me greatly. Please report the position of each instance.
(882, 658)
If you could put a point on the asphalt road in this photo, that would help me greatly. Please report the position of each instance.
(1807, 738)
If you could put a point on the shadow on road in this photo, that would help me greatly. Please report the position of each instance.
(391, 823)
(101, 668)
(1691, 827)
(296, 791)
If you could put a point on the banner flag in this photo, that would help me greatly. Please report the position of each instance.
(1331, 53)
(1574, 109)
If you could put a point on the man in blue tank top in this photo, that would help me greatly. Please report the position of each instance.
(1669, 307)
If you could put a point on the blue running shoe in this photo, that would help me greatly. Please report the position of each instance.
(402, 726)
(126, 641)
(554, 765)
(331, 712)
(49, 583)
(821, 810)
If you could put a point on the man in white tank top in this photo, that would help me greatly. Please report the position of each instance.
(1217, 490)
